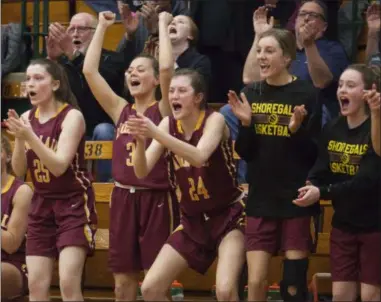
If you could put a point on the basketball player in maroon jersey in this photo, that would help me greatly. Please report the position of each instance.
(202, 168)
(62, 219)
(141, 213)
(15, 202)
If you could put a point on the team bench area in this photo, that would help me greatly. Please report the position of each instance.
(97, 276)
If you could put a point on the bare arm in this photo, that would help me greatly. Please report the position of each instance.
(19, 163)
(261, 24)
(166, 63)
(57, 162)
(12, 238)
(251, 69)
(374, 23)
(144, 160)
(196, 156)
(320, 74)
(375, 132)
(106, 97)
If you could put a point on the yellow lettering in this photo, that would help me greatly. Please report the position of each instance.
(41, 174)
(131, 149)
(356, 149)
(272, 130)
(196, 190)
(344, 168)
(4, 221)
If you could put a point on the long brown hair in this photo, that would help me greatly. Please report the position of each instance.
(57, 72)
(6, 146)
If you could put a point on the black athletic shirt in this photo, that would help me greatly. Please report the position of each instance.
(348, 173)
(278, 161)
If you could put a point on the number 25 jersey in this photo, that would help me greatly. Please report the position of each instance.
(76, 178)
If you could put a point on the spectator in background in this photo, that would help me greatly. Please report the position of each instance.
(142, 27)
(68, 47)
(225, 37)
(373, 45)
(183, 33)
(345, 20)
(13, 47)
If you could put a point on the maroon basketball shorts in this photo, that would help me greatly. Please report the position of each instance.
(275, 234)
(24, 274)
(54, 224)
(355, 257)
(140, 223)
(200, 255)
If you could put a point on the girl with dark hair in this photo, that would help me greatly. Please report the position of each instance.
(275, 139)
(50, 142)
(142, 212)
(348, 173)
(203, 172)
(15, 203)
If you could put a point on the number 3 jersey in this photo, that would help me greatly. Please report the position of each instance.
(76, 178)
(212, 187)
(124, 146)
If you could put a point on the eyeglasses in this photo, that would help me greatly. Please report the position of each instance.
(312, 15)
(80, 29)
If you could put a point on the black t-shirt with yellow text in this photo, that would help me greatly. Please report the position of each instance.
(348, 173)
(278, 161)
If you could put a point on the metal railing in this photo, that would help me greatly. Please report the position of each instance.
(35, 32)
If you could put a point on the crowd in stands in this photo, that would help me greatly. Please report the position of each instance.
(296, 57)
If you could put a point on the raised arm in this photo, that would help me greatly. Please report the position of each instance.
(166, 62)
(373, 19)
(106, 97)
(19, 163)
(12, 238)
(374, 100)
(260, 23)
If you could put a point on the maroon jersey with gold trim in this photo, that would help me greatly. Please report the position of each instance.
(211, 187)
(7, 195)
(124, 146)
(76, 179)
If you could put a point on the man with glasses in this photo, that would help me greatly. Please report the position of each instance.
(68, 47)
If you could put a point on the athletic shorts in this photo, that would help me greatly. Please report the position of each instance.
(140, 223)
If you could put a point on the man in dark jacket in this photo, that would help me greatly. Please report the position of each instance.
(68, 47)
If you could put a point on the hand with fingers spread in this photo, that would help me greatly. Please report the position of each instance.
(260, 22)
(59, 35)
(297, 118)
(19, 127)
(373, 18)
(241, 109)
(53, 48)
(373, 98)
(130, 19)
(308, 195)
(150, 15)
(141, 127)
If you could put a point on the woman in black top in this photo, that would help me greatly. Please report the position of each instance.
(348, 173)
(275, 140)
